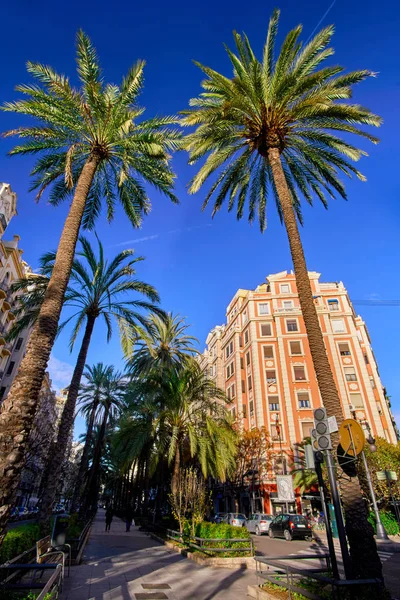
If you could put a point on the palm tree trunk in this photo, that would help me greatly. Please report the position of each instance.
(66, 424)
(365, 559)
(18, 410)
(85, 457)
(177, 466)
(92, 481)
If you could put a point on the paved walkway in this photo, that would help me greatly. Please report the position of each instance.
(121, 566)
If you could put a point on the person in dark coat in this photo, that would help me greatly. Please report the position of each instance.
(128, 517)
(109, 517)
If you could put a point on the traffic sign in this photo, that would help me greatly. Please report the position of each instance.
(352, 437)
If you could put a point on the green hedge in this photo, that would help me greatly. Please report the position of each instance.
(223, 530)
(388, 521)
(18, 540)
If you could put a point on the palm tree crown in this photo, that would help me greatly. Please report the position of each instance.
(95, 120)
(97, 288)
(286, 103)
(164, 344)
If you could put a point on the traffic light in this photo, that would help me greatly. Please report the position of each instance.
(320, 435)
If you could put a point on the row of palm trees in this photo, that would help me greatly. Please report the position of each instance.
(274, 127)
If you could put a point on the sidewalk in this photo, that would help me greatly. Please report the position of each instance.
(131, 566)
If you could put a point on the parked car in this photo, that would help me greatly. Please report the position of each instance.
(236, 519)
(23, 512)
(259, 523)
(218, 517)
(290, 527)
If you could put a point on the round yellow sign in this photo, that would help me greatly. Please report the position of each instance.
(352, 437)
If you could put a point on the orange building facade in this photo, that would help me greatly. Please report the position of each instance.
(261, 358)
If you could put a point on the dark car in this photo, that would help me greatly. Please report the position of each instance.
(290, 527)
(218, 517)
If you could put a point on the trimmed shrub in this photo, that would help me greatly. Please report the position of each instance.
(18, 540)
(223, 530)
(388, 521)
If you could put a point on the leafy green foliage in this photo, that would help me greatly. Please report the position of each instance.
(388, 521)
(213, 531)
(100, 121)
(286, 102)
(386, 457)
(18, 540)
(98, 288)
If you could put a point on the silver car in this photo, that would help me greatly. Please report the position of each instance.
(259, 523)
(236, 519)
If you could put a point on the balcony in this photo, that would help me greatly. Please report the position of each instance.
(288, 309)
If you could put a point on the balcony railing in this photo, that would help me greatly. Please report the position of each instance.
(288, 309)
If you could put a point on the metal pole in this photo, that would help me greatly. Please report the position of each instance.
(329, 537)
(380, 530)
(283, 465)
(389, 482)
(338, 513)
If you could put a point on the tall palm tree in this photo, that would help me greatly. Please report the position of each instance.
(98, 288)
(111, 405)
(92, 146)
(164, 343)
(89, 399)
(273, 127)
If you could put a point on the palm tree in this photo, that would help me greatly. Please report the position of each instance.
(111, 404)
(97, 288)
(272, 126)
(163, 344)
(92, 146)
(89, 398)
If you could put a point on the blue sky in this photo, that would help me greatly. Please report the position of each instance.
(195, 262)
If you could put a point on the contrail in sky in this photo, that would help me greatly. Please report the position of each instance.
(155, 236)
(321, 19)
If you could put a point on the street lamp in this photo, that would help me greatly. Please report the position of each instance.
(283, 464)
(380, 530)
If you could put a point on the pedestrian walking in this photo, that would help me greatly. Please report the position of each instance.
(109, 517)
(128, 517)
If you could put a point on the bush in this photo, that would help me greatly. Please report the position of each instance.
(222, 530)
(388, 521)
(18, 540)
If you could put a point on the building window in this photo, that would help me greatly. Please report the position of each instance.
(366, 359)
(295, 348)
(244, 318)
(247, 359)
(231, 392)
(344, 349)
(271, 376)
(241, 363)
(251, 408)
(19, 344)
(10, 367)
(240, 341)
(333, 305)
(243, 386)
(287, 304)
(273, 403)
(275, 433)
(350, 374)
(291, 325)
(306, 429)
(244, 409)
(372, 382)
(246, 337)
(266, 330)
(263, 309)
(230, 369)
(304, 400)
(356, 400)
(2, 390)
(211, 371)
(229, 349)
(299, 373)
(249, 383)
(285, 288)
(268, 352)
(338, 326)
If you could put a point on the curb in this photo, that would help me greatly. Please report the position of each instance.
(247, 562)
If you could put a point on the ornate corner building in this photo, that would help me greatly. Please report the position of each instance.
(261, 358)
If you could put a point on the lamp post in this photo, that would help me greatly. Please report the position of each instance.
(380, 530)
